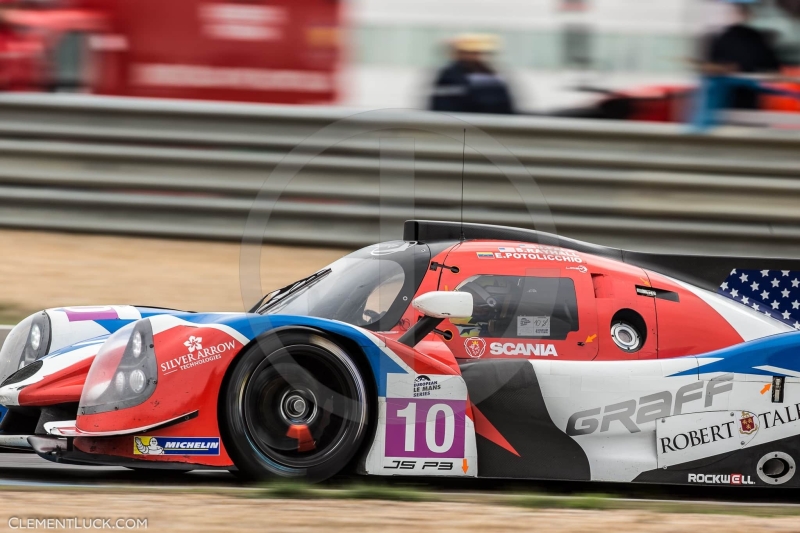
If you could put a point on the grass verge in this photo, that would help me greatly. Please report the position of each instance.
(303, 491)
(589, 502)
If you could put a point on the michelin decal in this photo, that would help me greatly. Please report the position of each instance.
(176, 445)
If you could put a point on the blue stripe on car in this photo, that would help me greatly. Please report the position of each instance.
(780, 352)
(251, 326)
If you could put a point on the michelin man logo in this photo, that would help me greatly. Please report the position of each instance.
(147, 446)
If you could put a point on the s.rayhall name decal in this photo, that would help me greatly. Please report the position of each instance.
(200, 356)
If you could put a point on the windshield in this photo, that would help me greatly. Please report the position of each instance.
(369, 288)
(12, 354)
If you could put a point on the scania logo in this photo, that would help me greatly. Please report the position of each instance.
(527, 349)
(475, 346)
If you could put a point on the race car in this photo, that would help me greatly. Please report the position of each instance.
(464, 350)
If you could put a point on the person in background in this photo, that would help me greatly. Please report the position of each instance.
(469, 84)
(736, 63)
(742, 49)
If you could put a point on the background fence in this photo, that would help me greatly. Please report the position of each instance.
(193, 170)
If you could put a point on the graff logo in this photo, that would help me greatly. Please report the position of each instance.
(648, 409)
(194, 343)
(582, 269)
(748, 423)
(475, 347)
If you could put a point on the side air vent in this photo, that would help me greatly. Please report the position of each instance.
(23, 373)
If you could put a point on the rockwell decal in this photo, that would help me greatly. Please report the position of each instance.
(721, 479)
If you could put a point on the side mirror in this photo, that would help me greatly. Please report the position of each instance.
(436, 306)
(443, 304)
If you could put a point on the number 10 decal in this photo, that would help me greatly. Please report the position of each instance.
(424, 427)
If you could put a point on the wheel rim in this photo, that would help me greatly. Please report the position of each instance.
(300, 403)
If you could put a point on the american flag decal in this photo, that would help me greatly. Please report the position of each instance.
(775, 293)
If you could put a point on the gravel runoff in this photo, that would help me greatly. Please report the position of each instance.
(203, 512)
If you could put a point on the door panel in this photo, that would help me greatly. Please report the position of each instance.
(522, 311)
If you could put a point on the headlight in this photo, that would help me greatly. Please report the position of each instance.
(29, 341)
(119, 382)
(136, 344)
(36, 336)
(138, 381)
(124, 373)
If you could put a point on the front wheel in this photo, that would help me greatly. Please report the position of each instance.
(294, 406)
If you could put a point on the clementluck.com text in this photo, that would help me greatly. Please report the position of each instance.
(21, 522)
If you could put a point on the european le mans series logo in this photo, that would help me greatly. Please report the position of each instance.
(176, 446)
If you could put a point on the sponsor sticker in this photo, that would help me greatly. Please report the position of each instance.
(748, 423)
(475, 347)
(787, 414)
(537, 253)
(526, 349)
(415, 465)
(699, 437)
(721, 479)
(176, 445)
(533, 326)
(651, 407)
(423, 385)
(425, 428)
(198, 355)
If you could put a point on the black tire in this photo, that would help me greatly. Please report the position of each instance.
(286, 381)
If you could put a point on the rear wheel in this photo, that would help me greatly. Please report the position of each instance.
(295, 406)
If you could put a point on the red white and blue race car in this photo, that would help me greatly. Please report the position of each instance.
(462, 351)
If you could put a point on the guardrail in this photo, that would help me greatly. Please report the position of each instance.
(192, 170)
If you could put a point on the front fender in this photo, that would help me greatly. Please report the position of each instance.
(193, 356)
